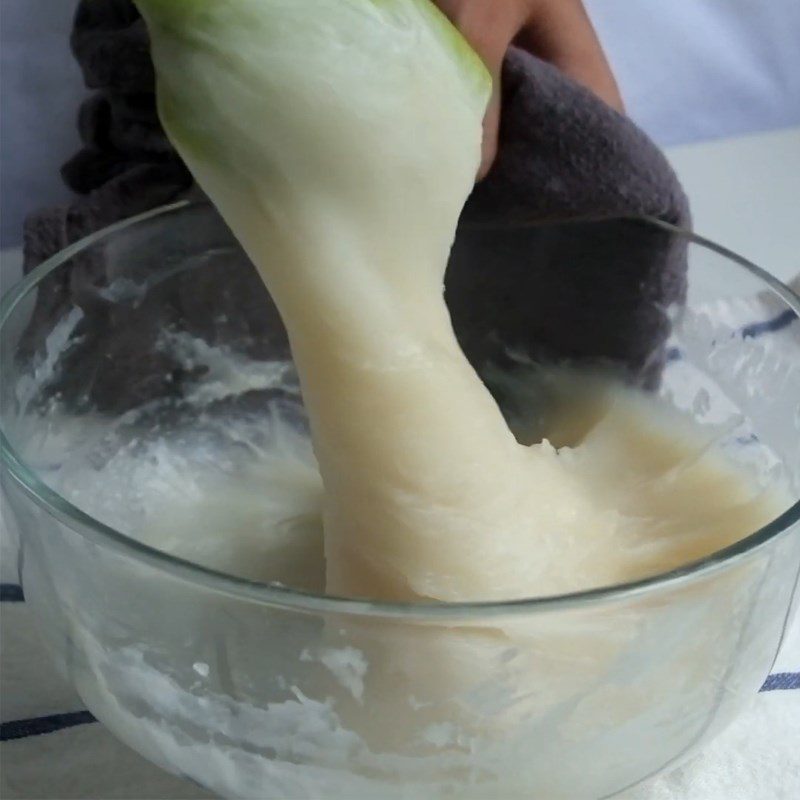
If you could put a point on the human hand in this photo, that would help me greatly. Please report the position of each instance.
(559, 31)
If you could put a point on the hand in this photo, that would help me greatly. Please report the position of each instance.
(558, 31)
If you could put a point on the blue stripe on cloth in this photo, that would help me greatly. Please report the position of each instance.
(781, 681)
(773, 325)
(38, 726)
(751, 331)
(11, 593)
(23, 728)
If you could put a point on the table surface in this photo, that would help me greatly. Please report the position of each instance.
(744, 194)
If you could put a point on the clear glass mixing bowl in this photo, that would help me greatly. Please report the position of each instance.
(261, 691)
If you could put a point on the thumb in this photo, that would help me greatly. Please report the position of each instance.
(489, 27)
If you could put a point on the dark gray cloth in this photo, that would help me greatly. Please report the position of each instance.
(119, 126)
(565, 154)
(541, 264)
(546, 262)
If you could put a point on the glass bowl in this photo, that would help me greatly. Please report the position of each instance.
(154, 334)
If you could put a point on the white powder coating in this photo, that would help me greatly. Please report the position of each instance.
(244, 495)
(349, 666)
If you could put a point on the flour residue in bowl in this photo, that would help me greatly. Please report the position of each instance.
(228, 478)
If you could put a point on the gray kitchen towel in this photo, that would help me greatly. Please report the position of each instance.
(542, 263)
(119, 124)
(548, 263)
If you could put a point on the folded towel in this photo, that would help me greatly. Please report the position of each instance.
(585, 288)
(119, 125)
(597, 288)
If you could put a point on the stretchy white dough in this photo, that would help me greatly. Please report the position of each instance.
(340, 142)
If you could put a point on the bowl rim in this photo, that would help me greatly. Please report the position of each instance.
(283, 597)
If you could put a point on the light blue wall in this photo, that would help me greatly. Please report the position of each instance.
(40, 89)
(692, 70)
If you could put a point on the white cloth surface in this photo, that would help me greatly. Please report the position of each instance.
(747, 762)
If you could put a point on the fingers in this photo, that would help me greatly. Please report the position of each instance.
(560, 31)
(489, 26)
